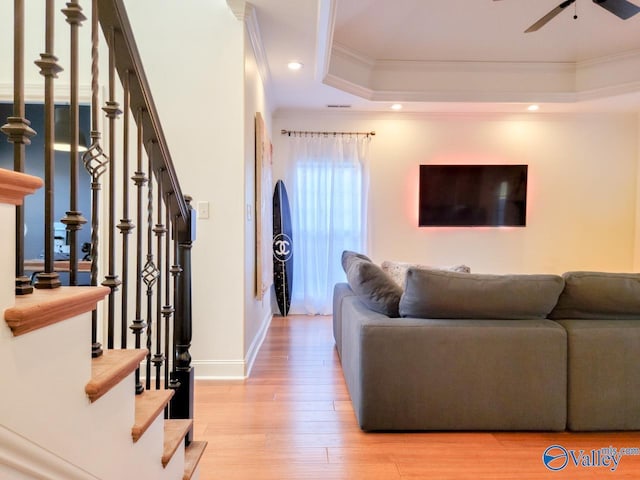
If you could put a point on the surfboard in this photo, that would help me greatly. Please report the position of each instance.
(282, 248)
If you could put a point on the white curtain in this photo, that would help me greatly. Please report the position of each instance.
(328, 190)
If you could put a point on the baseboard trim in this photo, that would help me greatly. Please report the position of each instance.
(19, 454)
(233, 369)
(219, 369)
(258, 340)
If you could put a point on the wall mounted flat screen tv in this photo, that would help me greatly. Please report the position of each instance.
(473, 195)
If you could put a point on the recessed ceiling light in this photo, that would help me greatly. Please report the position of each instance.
(294, 65)
(533, 108)
(396, 106)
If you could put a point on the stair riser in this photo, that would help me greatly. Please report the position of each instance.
(7, 256)
(147, 448)
(41, 374)
(46, 400)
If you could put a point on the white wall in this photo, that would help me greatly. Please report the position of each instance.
(194, 61)
(257, 311)
(209, 124)
(581, 194)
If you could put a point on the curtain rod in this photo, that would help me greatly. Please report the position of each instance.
(304, 132)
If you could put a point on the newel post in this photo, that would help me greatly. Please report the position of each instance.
(183, 374)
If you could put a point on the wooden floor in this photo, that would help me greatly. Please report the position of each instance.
(292, 419)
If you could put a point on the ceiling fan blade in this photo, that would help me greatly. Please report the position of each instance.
(549, 16)
(620, 8)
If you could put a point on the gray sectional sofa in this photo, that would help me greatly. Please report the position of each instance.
(458, 351)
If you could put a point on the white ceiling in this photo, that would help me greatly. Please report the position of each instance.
(448, 55)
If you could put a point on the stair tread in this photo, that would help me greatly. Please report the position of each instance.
(149, 404)
(192, 455)
(110, 368)
(174, 433)
(46, 307)
(15, 185)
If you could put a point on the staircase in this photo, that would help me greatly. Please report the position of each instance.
(63, 414)
(75, 400)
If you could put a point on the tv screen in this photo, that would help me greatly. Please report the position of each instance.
(473, 195)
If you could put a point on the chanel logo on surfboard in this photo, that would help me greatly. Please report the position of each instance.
(282, 247)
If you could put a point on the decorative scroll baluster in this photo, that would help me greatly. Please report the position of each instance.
(49, 69)
(96, 163)
(150, 273)
(73, 218)
(19, 131)
(112, 110)
(125, 226)
(182, 401)
(139, 179)
(167, 308)
(159, 230)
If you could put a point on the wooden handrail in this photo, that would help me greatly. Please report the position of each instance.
(113, 18)
(125, 58)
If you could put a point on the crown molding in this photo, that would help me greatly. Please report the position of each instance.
(352, 55)
(631, 55)
(255, 37)
(246, 13)
(485, 82)
(610, 91)
(324, 39)
(341, 83)
(239, 8)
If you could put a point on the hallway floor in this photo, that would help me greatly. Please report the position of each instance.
(292, 420)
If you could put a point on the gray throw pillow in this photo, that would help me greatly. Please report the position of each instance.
(443, 294)
(348, 256)
(373, 287)
(599, 295)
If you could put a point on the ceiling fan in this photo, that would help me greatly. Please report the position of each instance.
(620, 8)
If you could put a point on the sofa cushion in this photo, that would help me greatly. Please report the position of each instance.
(373, 287)
(349, 256)
(603, 375)
(398, 270)
(599, 295)
(441, 294)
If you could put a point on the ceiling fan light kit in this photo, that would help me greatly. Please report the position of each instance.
(622, 9)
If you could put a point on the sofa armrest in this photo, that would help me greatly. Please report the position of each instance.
(340, 291)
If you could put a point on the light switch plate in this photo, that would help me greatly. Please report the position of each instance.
(203, 210)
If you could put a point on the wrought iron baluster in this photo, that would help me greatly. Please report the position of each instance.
(18, 130)
(112, 110)
(176, 271)
(49, 69)
(150, 273)
(167, 308)
(73, 218)
(140, 179)
(96, 163)
(159, 230)
(125, 226)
